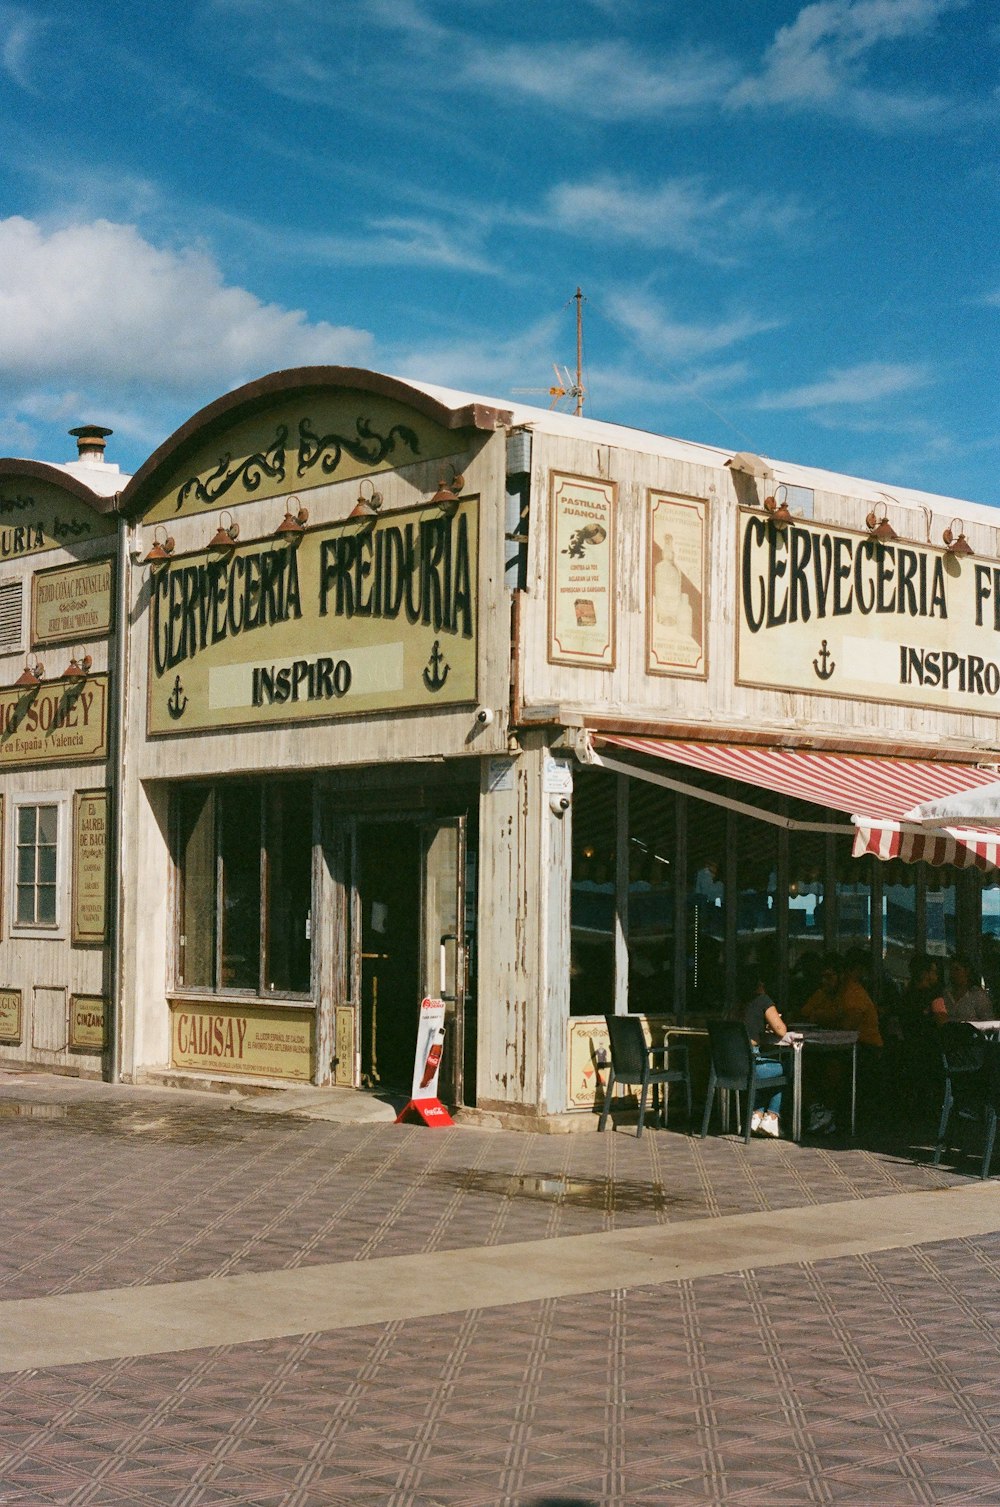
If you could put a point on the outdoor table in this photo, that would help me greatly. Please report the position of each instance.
(989, 1028)
(818, 1039)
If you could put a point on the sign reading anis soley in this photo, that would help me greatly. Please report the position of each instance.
(365, 615)
(842, 614)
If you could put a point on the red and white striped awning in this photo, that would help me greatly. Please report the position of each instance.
(879, 793)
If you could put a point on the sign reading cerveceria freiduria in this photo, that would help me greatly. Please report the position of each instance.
(364, 615)
(843, 614)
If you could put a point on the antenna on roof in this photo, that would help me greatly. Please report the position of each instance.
(566, 386)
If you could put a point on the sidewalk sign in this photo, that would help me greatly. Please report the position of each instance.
(424, 1104)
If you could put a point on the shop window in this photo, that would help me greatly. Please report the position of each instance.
(854, 916)
(707, 909)
(592, 905)
(989, 937)
(900, 887)
(757, 901)
(941, 907)
(652, 868)
(807, 916)
(37, 852)
(244, 861)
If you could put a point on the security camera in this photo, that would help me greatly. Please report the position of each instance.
(558, 804)
(484, 716)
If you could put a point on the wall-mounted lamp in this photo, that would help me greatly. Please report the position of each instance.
(955, 542)
(292, 524)
(161, 548)
(879, 526)
(78, 669)
(448, 493)
(367, 506)
(226, 534)
(777, 506)
(30, 677)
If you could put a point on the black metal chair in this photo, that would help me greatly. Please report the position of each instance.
(733, 1066)
(971, 1086)
(632, 1062)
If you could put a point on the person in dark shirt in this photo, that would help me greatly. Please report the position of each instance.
(765, 1026)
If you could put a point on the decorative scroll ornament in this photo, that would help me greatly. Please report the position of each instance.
(251, 472)
(369, 448)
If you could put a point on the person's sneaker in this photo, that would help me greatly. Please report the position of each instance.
(769, 1124)
(821, 1122)
(755, 1120)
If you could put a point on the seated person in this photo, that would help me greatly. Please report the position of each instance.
(965, 998)
(764, 1025)
(841, 1003)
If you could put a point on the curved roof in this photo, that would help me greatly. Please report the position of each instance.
(243, 402)
(60, 476)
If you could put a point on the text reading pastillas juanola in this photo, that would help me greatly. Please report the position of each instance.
(418, 571)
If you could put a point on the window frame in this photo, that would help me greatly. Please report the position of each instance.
(56, 930)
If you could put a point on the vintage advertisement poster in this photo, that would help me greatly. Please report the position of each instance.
(676, 586)
(90, 867)
(54, 723)
(582, 572)
(838, 613)
(86, 1022)
(73, 602)
(430, 1043)
(589, 1059)
(11, 1018)
(262, 1043)
(364, 615)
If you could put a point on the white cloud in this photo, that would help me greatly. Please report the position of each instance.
(819, 61)
(20, 31)
(681, 214)
(663, 338)
(868, 382)
(96, 302)
(602, 81)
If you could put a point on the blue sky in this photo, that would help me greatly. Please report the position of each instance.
(784, 217)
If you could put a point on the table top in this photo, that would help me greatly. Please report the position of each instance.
(823, 1035)
(985, 1025)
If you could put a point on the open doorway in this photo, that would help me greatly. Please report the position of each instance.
(388, 886)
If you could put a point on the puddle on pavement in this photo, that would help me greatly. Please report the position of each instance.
(124, 1121)
(578, 1192)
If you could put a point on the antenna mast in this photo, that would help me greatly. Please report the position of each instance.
(578, 296)
(565, 386)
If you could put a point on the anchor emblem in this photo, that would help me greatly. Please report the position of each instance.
(177, 701)
(824, 665)
(436, 671)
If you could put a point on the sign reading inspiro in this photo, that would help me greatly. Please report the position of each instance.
(360, 616)
(842, 614)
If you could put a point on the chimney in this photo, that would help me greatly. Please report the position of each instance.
(90, 440)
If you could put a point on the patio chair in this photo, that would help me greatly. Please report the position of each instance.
(733, 1066)
(971, 1087)
(632, 1062)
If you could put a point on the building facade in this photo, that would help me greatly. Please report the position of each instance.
(412, 693)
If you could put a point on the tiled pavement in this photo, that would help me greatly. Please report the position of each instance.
(868, 1379)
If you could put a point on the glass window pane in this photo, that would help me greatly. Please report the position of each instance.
(196, 863)
(48, 823)
(706, 909)
(592, 906)
(26, 818)
(46, 904)
(651, 888)
(289, 888)
(854, 897)
(239, 851)
(806, 916)
(25, 904)
(47, 865)
(941, 903)
(899, 921)
(26, 865)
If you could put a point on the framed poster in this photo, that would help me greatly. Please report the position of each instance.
(676, 585)
(71, 602)
(86, 1023)
(11, 1018)
(582, 572)
(90, 868)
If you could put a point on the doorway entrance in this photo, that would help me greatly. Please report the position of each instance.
(408, 903)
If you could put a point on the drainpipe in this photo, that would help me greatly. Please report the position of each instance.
(117, 742)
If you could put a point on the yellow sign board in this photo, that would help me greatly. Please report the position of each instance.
(589, 1061)
(11, 1018)
(87, 1014)
(360, 616)
(838, 613)
(54, 723)
(36, 516)
(210, 1037)
(90, 866)
(306, 441)
(73, 601)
